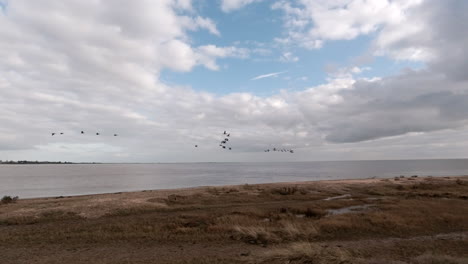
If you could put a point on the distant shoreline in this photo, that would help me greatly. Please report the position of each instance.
(215, 162)
(44, 162)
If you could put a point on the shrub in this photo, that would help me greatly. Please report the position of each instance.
(285, 190)
(8, 199)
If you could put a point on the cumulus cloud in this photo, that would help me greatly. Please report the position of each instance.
(96, 65)
(311, 22)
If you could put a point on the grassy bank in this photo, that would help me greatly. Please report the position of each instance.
(401, 220)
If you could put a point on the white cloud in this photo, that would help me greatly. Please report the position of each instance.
(207, 54)
(268, 75)
(231, 5)
(288, 57)
(95, 66)
(311, 22)
(207, 24)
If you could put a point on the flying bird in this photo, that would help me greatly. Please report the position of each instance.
(61, 133)
(82, 132)
(97, 134)
(53, 134)
(196, 146)
(115, 135)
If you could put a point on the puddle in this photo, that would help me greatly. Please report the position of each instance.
(337, 197)
(349, 209)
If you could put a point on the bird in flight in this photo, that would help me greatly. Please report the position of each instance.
(53, 134)
(97, 134)
(82, 132)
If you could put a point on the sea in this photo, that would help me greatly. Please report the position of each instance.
(52, 180)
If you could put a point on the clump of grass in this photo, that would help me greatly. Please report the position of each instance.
(314, 213)
(433, 259)
(306, 252)
(308, 212)
(48, 216)
(287, 190)
(460, 182)
(8, 199)
(254, 235)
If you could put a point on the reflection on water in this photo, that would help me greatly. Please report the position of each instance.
(55, 180)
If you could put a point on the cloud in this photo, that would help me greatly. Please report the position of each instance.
(288, 57)
(310, 22)
(231, 5)
(207, 24)
(96, 65)
(268, 75)
(208, 54)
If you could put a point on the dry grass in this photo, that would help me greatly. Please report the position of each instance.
(272, 223)
(306, 252)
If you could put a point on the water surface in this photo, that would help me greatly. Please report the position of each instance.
(43, 180)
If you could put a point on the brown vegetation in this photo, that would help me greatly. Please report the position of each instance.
(402, 220)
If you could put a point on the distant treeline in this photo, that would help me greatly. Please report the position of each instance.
(38, 162)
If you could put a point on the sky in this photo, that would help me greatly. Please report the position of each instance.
(330, 79)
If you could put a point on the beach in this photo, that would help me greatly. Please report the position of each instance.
(407, 219)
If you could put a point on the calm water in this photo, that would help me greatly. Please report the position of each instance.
(28, 181)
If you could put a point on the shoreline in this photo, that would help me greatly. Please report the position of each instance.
(347, 181)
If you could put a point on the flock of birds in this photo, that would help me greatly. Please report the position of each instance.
(225, 141)
(280, 150)
(82, 132)
(223, 144)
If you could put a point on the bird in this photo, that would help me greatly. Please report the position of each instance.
(226, 139)
(82, 132)
(97, 134)
(229, 148)
(53, 134)
(224, 132)
(61, 133)
(292, 151)
(196, 146)
(115, 135)
(228, 134)
(224, 147)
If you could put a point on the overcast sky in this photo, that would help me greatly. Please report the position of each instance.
(331, 79)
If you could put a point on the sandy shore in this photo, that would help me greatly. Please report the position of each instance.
(410, 219)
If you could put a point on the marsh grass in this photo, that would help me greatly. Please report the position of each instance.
(289, 224)
(306, 252)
